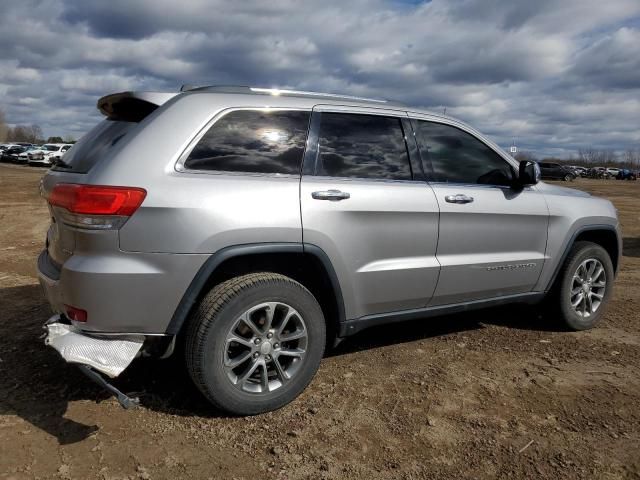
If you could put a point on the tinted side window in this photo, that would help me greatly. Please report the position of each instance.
(459, 157)
(362, 146)
(253, 141)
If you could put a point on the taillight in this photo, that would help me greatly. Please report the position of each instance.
(75, 314)
(96, 206)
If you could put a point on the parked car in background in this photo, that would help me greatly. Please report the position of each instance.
(56, 150)
(27, 153)
(556, 171)
(597, 172)
(4, 147)
(579, 171)
(613, 172)
(39, 156)
(626, 174)
(11, 154)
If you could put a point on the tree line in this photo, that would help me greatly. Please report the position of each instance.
(27, 133)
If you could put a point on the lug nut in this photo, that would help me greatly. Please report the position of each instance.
(267, 357)
(257, 341)
(269, 335)
(276, 345)
(255, 355)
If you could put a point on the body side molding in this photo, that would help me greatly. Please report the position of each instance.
(351, 327)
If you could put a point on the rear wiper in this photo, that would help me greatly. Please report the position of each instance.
(58, 162)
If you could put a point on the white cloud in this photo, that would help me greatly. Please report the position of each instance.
(547, 72)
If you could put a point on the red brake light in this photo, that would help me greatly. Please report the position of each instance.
(97, 199)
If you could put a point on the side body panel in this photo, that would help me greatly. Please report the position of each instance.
(492, 247)
(572, 211)
(381, 240)
(493, 244)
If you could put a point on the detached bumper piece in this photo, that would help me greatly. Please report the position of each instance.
(109, 356)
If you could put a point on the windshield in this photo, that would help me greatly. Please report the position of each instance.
(51, 148)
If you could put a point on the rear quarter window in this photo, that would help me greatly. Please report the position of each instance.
(253, 141)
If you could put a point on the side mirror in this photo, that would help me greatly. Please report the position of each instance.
(528, 173)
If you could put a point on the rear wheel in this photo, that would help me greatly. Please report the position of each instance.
(585, 285)
(568, 178)
(255, 342)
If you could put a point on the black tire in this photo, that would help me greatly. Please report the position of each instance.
(561, 297)
(216, 316)
(567, 178)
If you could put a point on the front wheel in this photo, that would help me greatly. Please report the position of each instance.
(255, 342)
(585, 286)
(568, 178)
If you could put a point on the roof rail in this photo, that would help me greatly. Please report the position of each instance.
(277, 91)
(274, 91)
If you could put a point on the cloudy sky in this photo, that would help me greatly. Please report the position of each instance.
(555, 74)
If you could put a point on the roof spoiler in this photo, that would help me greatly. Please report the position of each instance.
(132, 106)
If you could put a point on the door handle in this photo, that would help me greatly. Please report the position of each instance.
(333, 195)
(458, 198)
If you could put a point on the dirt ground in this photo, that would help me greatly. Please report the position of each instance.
(493, 394)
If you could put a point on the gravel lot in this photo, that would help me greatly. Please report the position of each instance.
(493, 394)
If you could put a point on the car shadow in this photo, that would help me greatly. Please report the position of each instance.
(37, 385)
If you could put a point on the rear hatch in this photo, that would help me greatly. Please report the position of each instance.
(124, 112)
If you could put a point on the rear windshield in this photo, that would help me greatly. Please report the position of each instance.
(94, 145)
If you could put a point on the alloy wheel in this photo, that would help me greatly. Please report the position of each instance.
(588, 286)
(265, 347)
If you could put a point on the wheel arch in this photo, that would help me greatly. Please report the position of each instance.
(305, 263)
(604, 235)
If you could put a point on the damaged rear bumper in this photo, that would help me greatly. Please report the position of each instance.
(107, 355)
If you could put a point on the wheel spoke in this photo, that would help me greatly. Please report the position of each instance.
(599, 285)
(588, 304)
(599, 271)
(288, 337)
(248, 372)
(576, 291)
(582, 275)
(264, 377)
(597, 295)
(246, 319)
(270, 311)
(237, 360)
(282, 375)
(291, 352)
(575, 303)
(285, 321)
(592, 268)
(238, 339)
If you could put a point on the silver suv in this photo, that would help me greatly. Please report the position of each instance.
(253, 227)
